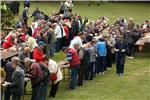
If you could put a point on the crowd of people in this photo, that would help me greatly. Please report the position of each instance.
(91, 47)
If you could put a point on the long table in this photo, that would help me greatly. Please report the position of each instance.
(7, 54)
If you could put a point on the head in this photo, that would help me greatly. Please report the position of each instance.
(26, 50)
(81, 35)
(120, 37)
(27, 62)
(41, 44)
(26, 8)
(76, 46)
(15, 62)
(64, 49)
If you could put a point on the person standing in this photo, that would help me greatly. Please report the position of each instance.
(36, 75)
(9, 72)
(17, 84)
(120, 49)
(84, 59)
(2, 80)
(60, 33)
(92, 60)
(54, 69)
(25, 16)
(102, 51)
(74, 61)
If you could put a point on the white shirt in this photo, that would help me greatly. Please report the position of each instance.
(76, 40)
(53, 67)
(58, 33)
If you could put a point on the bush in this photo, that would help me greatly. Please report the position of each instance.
(7, 18)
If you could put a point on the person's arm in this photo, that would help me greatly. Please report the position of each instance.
(81, 54)
(15, 81)
(69, 56)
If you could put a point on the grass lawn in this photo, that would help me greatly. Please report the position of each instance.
(139, 11)
(134, 85)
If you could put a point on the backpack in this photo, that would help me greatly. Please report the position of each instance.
(46, 73)
(86, 56)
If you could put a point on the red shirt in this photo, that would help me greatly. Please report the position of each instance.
(66, 31)
(7, 43)
(38, 54)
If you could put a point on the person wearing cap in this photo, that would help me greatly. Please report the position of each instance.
(74, 61)
(38, 52)
(17, 84)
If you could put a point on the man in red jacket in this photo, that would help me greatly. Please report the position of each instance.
(74, 60)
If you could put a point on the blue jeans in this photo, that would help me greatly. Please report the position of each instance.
(36, 92)
(43, 91)
(74, 73)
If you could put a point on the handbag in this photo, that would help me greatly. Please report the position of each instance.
(53, 76)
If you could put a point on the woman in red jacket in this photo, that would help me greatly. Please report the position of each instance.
(38, 52)
(8, 42)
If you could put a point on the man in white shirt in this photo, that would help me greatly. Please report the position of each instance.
(77, 40)
(60, 33)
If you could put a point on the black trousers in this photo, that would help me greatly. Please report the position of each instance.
(91, 70)
(131, 49)
(101, 64)
(81, 74)
(7, 93)
(109, 59)
(25, 21)
(16, 97)
(119, 68)
(54, 88)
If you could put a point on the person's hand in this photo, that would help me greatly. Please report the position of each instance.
(6, 84)
(27, 75)
(116, 49)
(123, 50)
(66, 63)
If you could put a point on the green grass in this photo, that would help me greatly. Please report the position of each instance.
(134, 85)
(139, 11)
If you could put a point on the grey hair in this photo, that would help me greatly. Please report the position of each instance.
(15, 60)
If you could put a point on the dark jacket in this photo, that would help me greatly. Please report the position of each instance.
(120, 56)
(17, 85)
(9, 71)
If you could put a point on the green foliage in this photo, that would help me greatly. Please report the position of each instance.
(7, 17)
